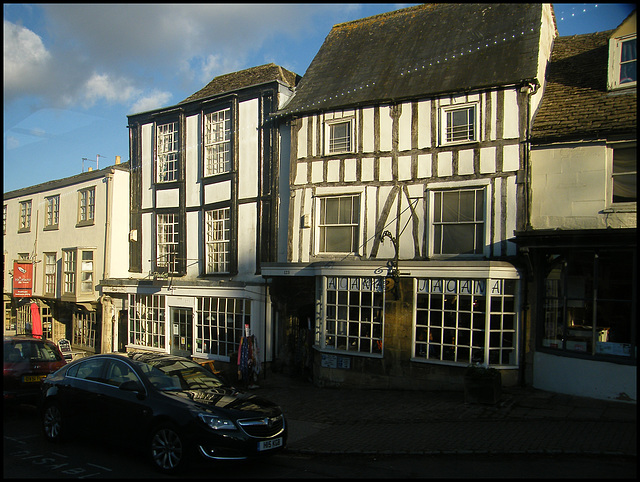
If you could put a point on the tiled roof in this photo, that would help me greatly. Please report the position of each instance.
(576, 103)
(245, 78)
(421, 51)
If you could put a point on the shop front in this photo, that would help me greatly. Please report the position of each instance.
(419, 327)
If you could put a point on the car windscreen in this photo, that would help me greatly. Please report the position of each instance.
(35, 351)
(178, 375)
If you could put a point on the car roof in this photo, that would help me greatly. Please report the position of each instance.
(11, 338)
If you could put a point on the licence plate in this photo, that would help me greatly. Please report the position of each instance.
(269, 444)
(33, 378)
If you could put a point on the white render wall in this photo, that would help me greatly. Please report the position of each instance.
(37, 241)
(570, 189)
(399, 177)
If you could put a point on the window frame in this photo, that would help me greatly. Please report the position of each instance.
(24, 220)
(615, 62)
(147, 321)
(344, 312)
(174, 163)
(84, 270)
(86, 206)
(356, 228)
(69, 271)
(487, 308)
(52, 212)
(211, 167)
(167, 247)
(611, 204)
(444, 123)
(50, 277)
(329, 126)
(481, 242)
(224, 243)
(220, 323)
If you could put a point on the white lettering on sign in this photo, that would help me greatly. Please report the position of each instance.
(450, 286)
(355, 284)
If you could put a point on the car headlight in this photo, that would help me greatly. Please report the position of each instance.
(216, 422)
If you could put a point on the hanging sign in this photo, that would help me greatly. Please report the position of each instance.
(22, 279)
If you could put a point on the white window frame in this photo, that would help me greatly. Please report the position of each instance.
(87, 271)
(352, 318)
(69, 265)
(4, 219)
(52, 216)
(25, 215)
(355, 227)
(167, 148)
(465, 321)
(217, 240)
(463, 186)
(610, 156)
(220, 326)
(444, 123)
(329, 126)
(50, 273)
(86, 205)
(167, 241)
(615, 60)
(147, 321)
(217, 142)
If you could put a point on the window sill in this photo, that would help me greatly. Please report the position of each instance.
(81, 224)
(459, 143)
(330, 351)
(625, 208)
(53, 227)
(24, 230)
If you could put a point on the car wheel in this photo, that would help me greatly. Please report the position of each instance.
(53, 423)
(167, 448)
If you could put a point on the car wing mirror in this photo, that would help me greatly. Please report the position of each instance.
(131, 386)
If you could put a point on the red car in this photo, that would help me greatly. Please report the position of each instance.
(27, 361)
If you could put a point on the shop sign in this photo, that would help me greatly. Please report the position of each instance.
(22, 279)
(452, 286)
(355, 284)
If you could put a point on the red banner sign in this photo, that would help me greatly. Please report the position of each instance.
(22, 279)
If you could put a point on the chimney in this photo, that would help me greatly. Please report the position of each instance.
(117, 159)
(90, 169)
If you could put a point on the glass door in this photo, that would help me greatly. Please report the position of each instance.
(182, 331)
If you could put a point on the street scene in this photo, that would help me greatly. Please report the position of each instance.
(320, 240)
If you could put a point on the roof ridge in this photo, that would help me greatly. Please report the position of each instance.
(392, 13)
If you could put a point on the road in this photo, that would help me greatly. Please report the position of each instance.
(27, 455)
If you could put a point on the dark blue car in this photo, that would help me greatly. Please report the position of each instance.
(171, 406)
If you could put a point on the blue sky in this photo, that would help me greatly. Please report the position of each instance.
(73, 72)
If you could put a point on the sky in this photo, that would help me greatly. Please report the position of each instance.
(73, 72)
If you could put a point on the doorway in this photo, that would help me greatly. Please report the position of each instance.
(181, 331)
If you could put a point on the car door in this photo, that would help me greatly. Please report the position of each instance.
(126, 411)
(81, 391)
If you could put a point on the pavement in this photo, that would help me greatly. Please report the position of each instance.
(413, 422)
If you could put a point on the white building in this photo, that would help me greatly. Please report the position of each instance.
(68, 233)
(407, 185)
(204, 190)
(581, 235)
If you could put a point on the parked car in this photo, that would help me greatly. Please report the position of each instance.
(27, 361)
(171, 406)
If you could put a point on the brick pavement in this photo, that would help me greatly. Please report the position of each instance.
(526, 420)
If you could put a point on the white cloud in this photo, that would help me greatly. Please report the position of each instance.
(26, 60)
(104, 86)
(153, 100)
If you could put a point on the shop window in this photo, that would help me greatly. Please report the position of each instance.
(220, 325)
(147, 326)
(466, 321)
(589, 304)
(84, 329)
(458, 221)
(217, 142)
(353, 318)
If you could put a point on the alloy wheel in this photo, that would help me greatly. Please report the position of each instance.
(166, 449)
(52, 423)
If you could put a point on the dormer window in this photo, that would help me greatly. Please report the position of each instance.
(622, 62)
